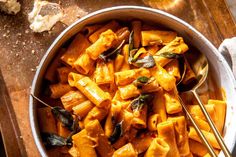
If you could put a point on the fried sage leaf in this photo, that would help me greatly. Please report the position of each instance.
(111, 53)
(142, 81)
(170, 55)
(75, 129)
(143, 99)
(116, 133)
(64, 116)
(146, 62)
(137, 55)
(131, 41)
(51, 139)
(182, 69)
(132, 51)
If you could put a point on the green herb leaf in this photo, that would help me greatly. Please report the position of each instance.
(143, 99)
(136, 55)
(111, 53)
(116, 133)
(131, 41)
(51, 139)
(182, 69)
(171, 55)
(131, 54)
(75, 129)
(64, 116)
(142, 79)
(146, 62)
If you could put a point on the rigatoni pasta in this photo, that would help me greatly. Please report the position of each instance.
(117, 91)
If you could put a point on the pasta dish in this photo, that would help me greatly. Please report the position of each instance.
(113, 92)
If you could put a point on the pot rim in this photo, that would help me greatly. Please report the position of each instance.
(58, 40)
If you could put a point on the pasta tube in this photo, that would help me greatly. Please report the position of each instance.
(165, 80)
(136, 26)
(159, 105)
(84, 144)
(152, 37)
(71, 99)
(167, 133)
(125, 53)
(173, 69)
(197, 148)
(84, 64)
(113, 25)
(128, 76)
(90, 89)
(63, 73)
(122, 34)
(196, 111)
(75, 49)
(104, 73)
(128, 91)
(118, 62)
(95, 132)
(50, 74)
(189, 75)
(202, 124)
(158, 148)
(46, 120)
(62, 131)
(172, 102)
(83, 108)
(58, 90)
(74, 152)
(127, 136)
(103, 43)
(220, 112)
(120, 142)
(151, 87)
(125, 151)
(153, 120)
(209, 136)
(142, 143)
(111, 119)
(95, 113)
(88, 30)
(140, 118)
(153, 49)
(180, 126)
(176, 46)
(127, 118)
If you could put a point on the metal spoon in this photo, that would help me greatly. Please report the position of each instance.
(199, 65)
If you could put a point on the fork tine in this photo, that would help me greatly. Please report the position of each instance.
(200, 134)
(212, 126)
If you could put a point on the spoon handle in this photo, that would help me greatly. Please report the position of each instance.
(212, 126)
(199, 132)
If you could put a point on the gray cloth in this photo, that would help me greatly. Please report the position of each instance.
(228, 50)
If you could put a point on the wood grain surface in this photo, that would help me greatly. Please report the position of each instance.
(21, 49)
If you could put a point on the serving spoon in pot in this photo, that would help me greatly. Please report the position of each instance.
(199, 65)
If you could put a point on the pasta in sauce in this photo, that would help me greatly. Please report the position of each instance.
(120, 80)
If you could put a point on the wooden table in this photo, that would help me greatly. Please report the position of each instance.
(21, 51)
